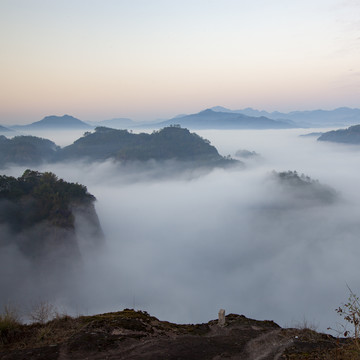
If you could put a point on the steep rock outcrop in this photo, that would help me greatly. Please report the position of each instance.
(43, 216)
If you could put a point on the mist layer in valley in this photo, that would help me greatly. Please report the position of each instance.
(182, 247)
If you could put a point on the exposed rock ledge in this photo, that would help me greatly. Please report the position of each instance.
(136, 335)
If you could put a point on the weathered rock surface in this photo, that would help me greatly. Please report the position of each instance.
(136, 335)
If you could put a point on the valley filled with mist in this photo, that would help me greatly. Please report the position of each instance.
(183, 242)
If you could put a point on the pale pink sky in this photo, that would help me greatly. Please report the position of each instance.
(145, 59)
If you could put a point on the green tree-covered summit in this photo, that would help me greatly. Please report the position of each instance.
(171, 142)
(35, 197)
(26, 150)
(305, 189)
(350, 135)
(39, 216)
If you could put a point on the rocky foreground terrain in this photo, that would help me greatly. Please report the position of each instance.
(136, 335)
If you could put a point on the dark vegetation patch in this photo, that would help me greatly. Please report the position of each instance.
(350, 135)
(170, 143)
(26, 150)
(304, 189)
(36, 212)
(36, 197)
(246, 154)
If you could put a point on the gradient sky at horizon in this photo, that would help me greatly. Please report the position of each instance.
(154, 59)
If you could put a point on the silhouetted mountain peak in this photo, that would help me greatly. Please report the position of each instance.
(56, 122)
(60, 121)
(56, 117)
(305, 118)
(220, 109)
(207, 112)
(210, 119)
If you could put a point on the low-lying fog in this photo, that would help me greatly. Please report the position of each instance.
(183, 247)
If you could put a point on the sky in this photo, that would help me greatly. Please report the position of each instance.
(155, 59)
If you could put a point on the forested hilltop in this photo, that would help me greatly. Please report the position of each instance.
(26, 150)
(304, 189)
(37, 214)
(350, 135)
(170, 143)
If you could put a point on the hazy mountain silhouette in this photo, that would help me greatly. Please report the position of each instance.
(312, 134)
(4, 129)
(116, 123)
(210, 119)
(314, 118)
(65, 122)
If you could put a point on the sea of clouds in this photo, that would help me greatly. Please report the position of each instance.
(182, 246)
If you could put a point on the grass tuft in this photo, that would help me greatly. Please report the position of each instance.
(9, 324)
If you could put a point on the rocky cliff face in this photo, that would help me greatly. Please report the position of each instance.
(87, 227)
(46, 227)
(43, 216)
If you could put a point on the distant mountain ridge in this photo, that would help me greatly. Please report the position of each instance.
(210, 119)
(116, 123)
(309, 118)
(65, 122)
(217, 117)
(4, 129)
